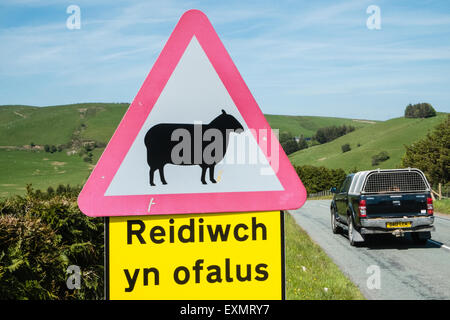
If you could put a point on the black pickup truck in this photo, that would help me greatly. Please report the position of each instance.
(396, 201)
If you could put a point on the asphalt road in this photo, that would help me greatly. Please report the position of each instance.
(386, 267)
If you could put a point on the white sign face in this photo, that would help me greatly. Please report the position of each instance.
(195, 94)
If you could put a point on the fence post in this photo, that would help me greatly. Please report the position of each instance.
(440, 191)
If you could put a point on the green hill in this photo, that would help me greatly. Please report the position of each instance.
(64, 125)
(21, 125)
(70, 126)
(389, 136)
(308, 125)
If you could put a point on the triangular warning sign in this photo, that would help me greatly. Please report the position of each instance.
(193, 140)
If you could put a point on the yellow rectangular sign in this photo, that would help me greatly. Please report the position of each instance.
(195, 257)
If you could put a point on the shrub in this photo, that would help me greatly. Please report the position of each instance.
(380, 157)
(32, 264)
(59, 235)
(346, 147)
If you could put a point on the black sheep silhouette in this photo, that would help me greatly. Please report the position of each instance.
(159, 143)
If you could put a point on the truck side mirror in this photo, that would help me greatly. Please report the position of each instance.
(333, 190)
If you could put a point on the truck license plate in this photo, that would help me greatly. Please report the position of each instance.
(400, 224)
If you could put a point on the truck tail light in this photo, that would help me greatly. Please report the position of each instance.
(430, 209)
(362, 208)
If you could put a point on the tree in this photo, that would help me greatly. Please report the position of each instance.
(302, 143)
(316, 179)
(290, 146)
(431, 154)
(328, 134)
(47, 148)
(420, 110)
(285, 136)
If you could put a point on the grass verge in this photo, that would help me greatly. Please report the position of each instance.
(310, 273)
(442, 206)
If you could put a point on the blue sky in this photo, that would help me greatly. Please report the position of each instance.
(297, 57)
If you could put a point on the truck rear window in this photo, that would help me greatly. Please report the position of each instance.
(395, 181)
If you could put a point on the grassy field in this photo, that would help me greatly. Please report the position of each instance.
(390, 136)
(310, 273)
(42, 169)
(442, 206)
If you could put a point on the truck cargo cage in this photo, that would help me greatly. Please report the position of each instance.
(402, 180)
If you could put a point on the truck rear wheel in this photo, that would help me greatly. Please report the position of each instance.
(334, 227)
(350, 229)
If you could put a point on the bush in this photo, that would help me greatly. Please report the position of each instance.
(380, 157)
(419, 110)
(316, 179)
(88, 157)
(49, 233)
(32, 264)
(346, 147)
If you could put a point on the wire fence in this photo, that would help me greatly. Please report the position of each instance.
(325, 193)
(439, 193)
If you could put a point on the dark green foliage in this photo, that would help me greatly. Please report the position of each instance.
(41, 234)
(290, 146)
(316, 179)
(346, 147)
(328, 134)
(285, 136)
(419, 110)
(88, 157)
(30, 257)
(289, 143)
(302, 143)
(50, 191)
(47, 148)
(380, 157)
(431, 154)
